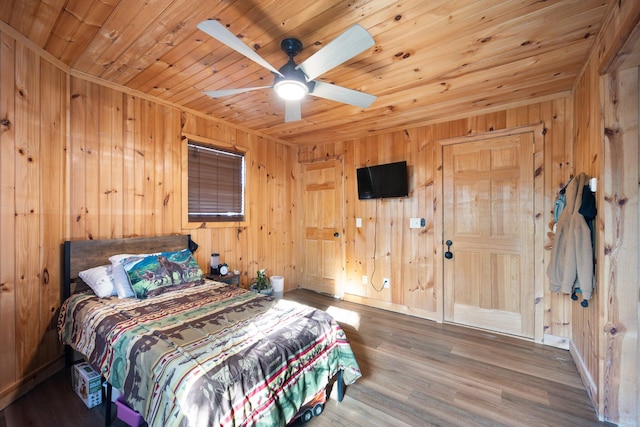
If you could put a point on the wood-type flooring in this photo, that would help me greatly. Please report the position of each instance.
(415, 373)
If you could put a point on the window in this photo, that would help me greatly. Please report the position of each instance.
(216, 180)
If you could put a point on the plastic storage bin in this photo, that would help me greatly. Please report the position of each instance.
(115, 393)
(128, 415)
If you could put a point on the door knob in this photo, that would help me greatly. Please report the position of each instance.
(336, 234)
(448, 254)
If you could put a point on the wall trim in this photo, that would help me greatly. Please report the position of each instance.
(396, 308)
(462, 115)
(29, 382)
(556, 341)
(9, 30)
(19, 37)
(587, 379)
(142, 95)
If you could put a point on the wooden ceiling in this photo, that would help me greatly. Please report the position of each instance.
(432, 60)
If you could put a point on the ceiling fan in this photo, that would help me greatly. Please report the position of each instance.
(294, 81)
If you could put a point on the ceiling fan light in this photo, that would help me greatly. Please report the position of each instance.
(291, 90)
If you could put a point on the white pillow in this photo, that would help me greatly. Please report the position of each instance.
(100, 280)
(122, 283)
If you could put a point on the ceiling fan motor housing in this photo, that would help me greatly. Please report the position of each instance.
(292, 47)
(289, 72)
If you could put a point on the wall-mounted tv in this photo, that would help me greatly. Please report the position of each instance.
(383, 181)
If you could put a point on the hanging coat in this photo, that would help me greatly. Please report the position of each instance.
(571, 262)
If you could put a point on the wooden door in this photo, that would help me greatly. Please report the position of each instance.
(322, 255)
(488, 216)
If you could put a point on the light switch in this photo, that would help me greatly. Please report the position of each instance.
(358, 222)
(414, 222)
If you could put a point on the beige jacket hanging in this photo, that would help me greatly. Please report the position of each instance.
(571, 262)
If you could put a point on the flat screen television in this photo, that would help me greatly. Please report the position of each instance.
(383, 181)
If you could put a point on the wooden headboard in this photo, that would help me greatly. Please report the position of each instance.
(83, 254)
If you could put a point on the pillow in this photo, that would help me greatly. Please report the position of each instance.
(100, 280)
(122, 285)
(153, 274)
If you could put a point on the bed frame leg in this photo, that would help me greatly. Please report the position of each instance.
(107, 412)
(68, 356)
(340, 385)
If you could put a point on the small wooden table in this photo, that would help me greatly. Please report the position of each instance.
(229, 279)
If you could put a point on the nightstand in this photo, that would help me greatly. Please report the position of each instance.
(229, 279)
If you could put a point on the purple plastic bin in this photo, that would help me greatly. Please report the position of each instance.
(127, 414)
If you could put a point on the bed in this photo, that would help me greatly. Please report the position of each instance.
(200, 352)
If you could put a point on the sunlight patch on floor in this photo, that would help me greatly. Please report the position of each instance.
(345, 316)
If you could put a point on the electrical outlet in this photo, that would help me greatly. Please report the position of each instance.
(386, 283)
(364, 280)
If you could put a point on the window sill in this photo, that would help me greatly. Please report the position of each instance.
(225, 224)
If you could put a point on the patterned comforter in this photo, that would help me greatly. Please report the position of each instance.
(211, 355)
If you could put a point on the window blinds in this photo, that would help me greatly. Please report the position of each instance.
(216, 184)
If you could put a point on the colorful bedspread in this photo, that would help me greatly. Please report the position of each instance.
(212, 355)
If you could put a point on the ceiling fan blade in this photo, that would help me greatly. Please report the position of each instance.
(227, 92)
(222, 34)
(292, 111)
(342, 94)
(344, 47)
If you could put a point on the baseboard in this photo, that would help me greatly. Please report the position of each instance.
(587, 380)
(397, 308)
(25, 385)
(556, 341)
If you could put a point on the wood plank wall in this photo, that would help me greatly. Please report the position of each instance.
(587, 129)
(620, 248)
(126, 171)
(125, 164)
(408, 256)
(266, 239)
(33, 111)
(81, 160)
(605, 335)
